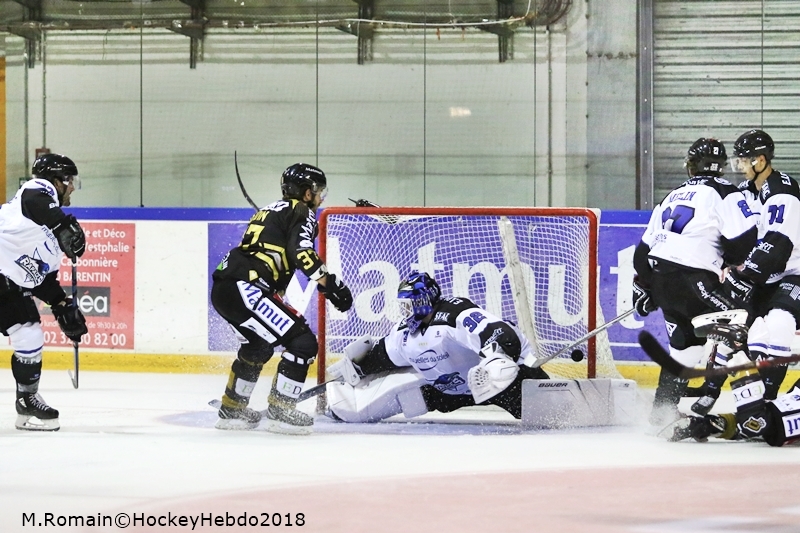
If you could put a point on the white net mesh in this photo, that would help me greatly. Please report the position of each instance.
(466, 250)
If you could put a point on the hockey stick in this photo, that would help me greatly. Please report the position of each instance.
(542, 360)
(657, 353)
(75, 354)
(312, 392)
(241, 185)
(363, 203)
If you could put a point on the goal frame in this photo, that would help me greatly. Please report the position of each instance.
(592, 277)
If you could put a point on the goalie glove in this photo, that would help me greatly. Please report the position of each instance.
(346, 369)
(70, 320)
(492, 375)
(337, 293)
(642, 299)
(735, 291)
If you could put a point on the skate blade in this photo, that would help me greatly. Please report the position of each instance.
(235, 424)
(31, 423)
(275, 426)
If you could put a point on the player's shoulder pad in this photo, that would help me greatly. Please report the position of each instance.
(446, 310)
(779, 183)
(41, 185)
(722, 186)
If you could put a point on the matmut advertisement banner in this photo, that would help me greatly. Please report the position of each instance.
(105, 277)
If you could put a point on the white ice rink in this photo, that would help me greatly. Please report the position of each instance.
(144, 445)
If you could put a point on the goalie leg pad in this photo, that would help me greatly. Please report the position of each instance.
(491, 376)
(377, 398)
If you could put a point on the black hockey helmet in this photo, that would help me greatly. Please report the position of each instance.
(52, 167)
(299, 177)
(706, 157)
(754, 143)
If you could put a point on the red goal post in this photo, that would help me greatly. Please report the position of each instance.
(536, 267)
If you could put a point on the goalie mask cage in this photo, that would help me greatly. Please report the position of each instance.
(535, 267)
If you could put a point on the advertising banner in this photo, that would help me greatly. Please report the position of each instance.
(106, 279)
(620, 232)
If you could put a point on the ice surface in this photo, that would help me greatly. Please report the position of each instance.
(145, 443)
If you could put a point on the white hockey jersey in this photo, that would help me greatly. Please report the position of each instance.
(777, 253)
(28, 251)
(693, 222)
(444, 352)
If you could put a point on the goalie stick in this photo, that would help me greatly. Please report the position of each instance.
(312, 392)
(542, 360)
(660, 355)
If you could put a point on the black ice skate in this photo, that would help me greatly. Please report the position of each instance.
(284, 417)
(237, 418)
(33, 414)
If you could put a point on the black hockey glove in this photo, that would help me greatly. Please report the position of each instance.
(735, 291)
(70, 320)
(337, 293)
(642, 299)
(71, 237)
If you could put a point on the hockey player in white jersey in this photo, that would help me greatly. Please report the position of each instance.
(34, 232)
(769, 281)
(446, 353)
(699, 229)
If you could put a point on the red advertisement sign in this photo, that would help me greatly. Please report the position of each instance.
(105, 278)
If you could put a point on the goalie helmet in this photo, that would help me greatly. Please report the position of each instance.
(706, 157)
(300, 177)
(418, 293)
(52, 167)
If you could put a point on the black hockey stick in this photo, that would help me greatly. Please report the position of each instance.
(241, 185)
(75, 354)
(363, 203)
(657, 353)
(312, 392)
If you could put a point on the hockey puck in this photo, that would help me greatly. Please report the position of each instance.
(576, 355)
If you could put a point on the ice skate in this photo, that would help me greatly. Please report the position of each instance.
(33, 414)
(283, 416)
(237, 418)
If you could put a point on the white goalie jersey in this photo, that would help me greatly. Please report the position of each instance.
(445, 351)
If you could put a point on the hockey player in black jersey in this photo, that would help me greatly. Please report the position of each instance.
(446, 353)
(769, 281)
(247, 291)
(695, 233)
(34, 232)
(776, 420)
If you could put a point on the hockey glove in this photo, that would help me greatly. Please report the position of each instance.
(735, 291)
(336, 293)
(642, 299)
(70, 237)
(70, 320)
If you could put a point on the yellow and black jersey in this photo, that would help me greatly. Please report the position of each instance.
(278, 241)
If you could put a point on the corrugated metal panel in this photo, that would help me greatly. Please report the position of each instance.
(721, 68)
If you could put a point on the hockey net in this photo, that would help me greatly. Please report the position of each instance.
(536, 267)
